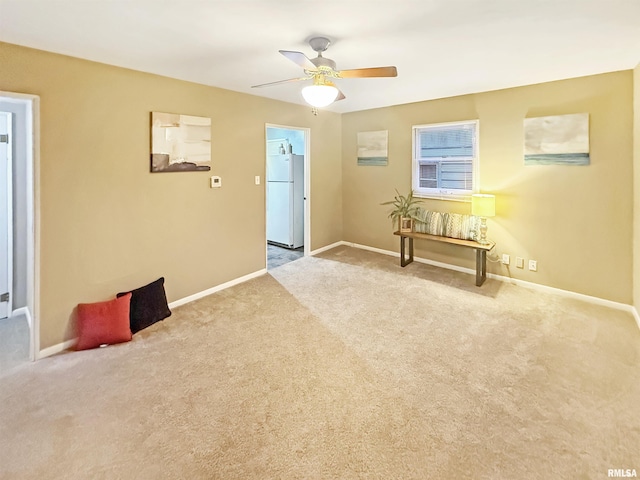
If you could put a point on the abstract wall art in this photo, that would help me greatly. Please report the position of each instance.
(180, 143)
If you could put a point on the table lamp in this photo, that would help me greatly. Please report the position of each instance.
(483, 206)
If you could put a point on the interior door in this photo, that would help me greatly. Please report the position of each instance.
(6, 254)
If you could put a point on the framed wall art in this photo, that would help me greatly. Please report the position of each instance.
(557, 140)
(180, 143)
(373, 148)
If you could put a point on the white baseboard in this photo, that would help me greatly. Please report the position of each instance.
(60, 347)
(415, 259)
(217, 288)
(23, 311)
(634, 311)
(564, 293)
(52, 350)
(534, 286)
(371, 249)
(27, 313)
(327, 247)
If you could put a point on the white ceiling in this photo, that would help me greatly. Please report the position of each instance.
(442, 48)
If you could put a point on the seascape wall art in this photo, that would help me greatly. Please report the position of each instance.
(373, 148)
(557, 140)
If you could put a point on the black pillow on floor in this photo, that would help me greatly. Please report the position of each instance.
(148, 305)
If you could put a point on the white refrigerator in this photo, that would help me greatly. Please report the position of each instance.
(285, 200)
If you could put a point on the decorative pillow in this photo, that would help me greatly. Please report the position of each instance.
(148, 305)
(429, 222)
(461, 226)
(103, 323)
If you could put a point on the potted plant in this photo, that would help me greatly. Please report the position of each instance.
(405, 210)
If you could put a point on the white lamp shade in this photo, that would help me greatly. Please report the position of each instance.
(319, 95)
(483, 205)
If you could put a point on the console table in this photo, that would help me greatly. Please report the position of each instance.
(481, 250)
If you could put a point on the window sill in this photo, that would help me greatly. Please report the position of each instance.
(466, 198)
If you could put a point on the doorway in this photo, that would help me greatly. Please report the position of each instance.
(19, 331)
(6, 214)
(287, 194)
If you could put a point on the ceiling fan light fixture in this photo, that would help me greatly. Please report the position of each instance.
(320, 95)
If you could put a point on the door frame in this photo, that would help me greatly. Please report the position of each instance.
(9, 218)
(32, 129)
(307, 186)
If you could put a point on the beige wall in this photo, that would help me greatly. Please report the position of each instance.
(636, 187)
(107, 224)
(576, 221)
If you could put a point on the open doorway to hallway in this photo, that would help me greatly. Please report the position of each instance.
(14, 328)
(287, 194)
(19, 340)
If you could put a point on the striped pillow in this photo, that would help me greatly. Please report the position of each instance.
(460, 226)
(429, 222)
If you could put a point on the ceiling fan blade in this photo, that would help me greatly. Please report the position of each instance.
(279, 82)
(369, 72)
(299, 58)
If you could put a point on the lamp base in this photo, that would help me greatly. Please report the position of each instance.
(483, 232)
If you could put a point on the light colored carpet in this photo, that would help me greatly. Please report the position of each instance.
(337, 367)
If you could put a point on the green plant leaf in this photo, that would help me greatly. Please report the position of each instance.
(404, 206)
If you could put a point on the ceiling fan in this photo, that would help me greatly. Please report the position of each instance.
(322, 71)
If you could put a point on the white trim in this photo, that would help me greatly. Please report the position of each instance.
(53, 349)
(522, 283)
(564, 293)
(217, 288)
(307, 186)
(535, 286)
(23, 311)
(328, 247)
(9, 212)
(371, 249)
(60, 347)
(33, 261)
(457, 195)
(634, 311)
(32, 102)
(448, 266)
(307, 191)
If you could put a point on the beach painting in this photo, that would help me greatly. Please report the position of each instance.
(373, 148)
(557, 140)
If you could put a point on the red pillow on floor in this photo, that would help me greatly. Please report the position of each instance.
(103, 323)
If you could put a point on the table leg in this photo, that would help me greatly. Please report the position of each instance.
(481, 267)
(404, 262)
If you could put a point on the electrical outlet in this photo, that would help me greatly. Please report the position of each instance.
(519, 262)
(533, 265)
(506, 259)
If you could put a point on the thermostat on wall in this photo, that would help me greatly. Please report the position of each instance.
(216, 182)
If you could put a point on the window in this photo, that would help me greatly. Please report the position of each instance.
(445, 158)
